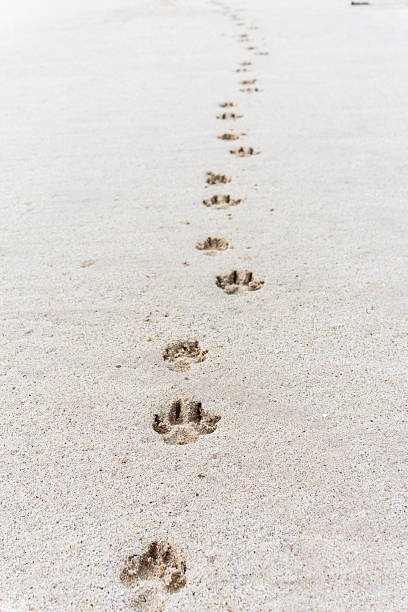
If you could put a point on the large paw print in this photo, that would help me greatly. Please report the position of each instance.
(160, 562)
(184, 422)
(238, 280)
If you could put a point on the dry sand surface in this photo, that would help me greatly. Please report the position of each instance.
(211, 428)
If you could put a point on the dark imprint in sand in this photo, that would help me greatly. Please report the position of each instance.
(180, 355)
(229, 116)
(250, 90)
(161, 562)
(228, 137)
(222, 201)
(184, 422)
(212, 245)
(217, 179)
(237, 281)
(244, 152)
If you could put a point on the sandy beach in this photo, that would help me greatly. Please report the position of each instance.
(204, 290)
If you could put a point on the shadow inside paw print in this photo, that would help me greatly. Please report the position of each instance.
(184, 422)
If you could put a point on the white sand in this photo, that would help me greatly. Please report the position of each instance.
(298, 499)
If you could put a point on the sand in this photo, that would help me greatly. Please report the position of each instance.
(212, 428)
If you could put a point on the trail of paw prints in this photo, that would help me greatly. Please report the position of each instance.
(244, 37)
(154, 575)
(238, 281)
(184, 422)
(244, 67)
(251, 89)
(180, 355)
(219, 201)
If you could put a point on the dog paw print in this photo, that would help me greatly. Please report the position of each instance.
(184, 422)
(217, 179)
(160, 562)
(221, 202)
(180, 355)
(238, 281)
(229, 116)
(244, 152)
(228, 137)
(212, 245)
